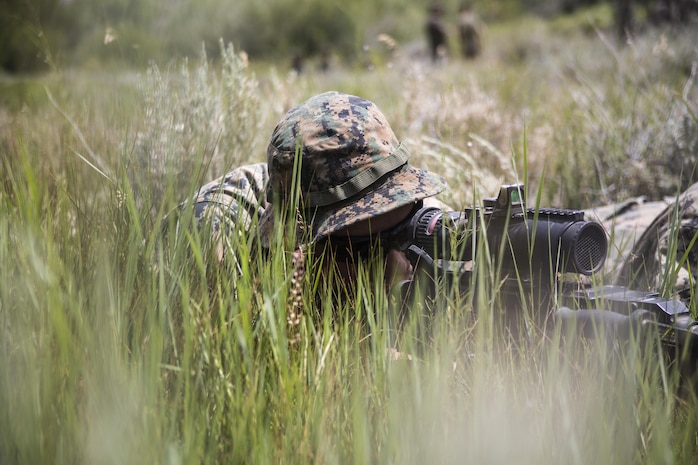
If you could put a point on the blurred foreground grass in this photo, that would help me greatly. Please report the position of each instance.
(116, 350)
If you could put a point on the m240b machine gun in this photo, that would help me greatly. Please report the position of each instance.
(534, 249)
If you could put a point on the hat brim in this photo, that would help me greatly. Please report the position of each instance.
(401, 187)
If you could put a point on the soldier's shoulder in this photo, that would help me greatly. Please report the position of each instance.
(638, 213)
(635, 213)
(625, 223)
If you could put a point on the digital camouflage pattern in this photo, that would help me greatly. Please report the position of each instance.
(652, 244)
(624, 224)
(231, 202)
(350, 165)
(437, 37)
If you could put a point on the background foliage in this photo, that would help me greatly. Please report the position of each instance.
(37, 33)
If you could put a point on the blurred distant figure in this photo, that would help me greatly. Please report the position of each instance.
(437, 38)
(324, 59)
(624, 18)
(670, 11)
(297, 62)
(469, 31)
(656, 12)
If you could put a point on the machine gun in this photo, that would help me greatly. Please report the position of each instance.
(534, 249)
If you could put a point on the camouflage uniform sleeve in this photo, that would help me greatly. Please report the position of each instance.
(231, 202)
(653, 244)
(624, 223)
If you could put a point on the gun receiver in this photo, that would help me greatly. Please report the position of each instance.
(669, 319)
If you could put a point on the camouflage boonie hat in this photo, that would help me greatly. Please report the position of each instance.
(352, 166)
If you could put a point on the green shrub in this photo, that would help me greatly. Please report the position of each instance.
(195, 125)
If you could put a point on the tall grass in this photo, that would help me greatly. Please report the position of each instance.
(119, 347)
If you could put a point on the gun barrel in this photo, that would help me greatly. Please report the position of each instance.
(679, 337)
(592, 323)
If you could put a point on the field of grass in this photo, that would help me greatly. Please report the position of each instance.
(117, 349)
